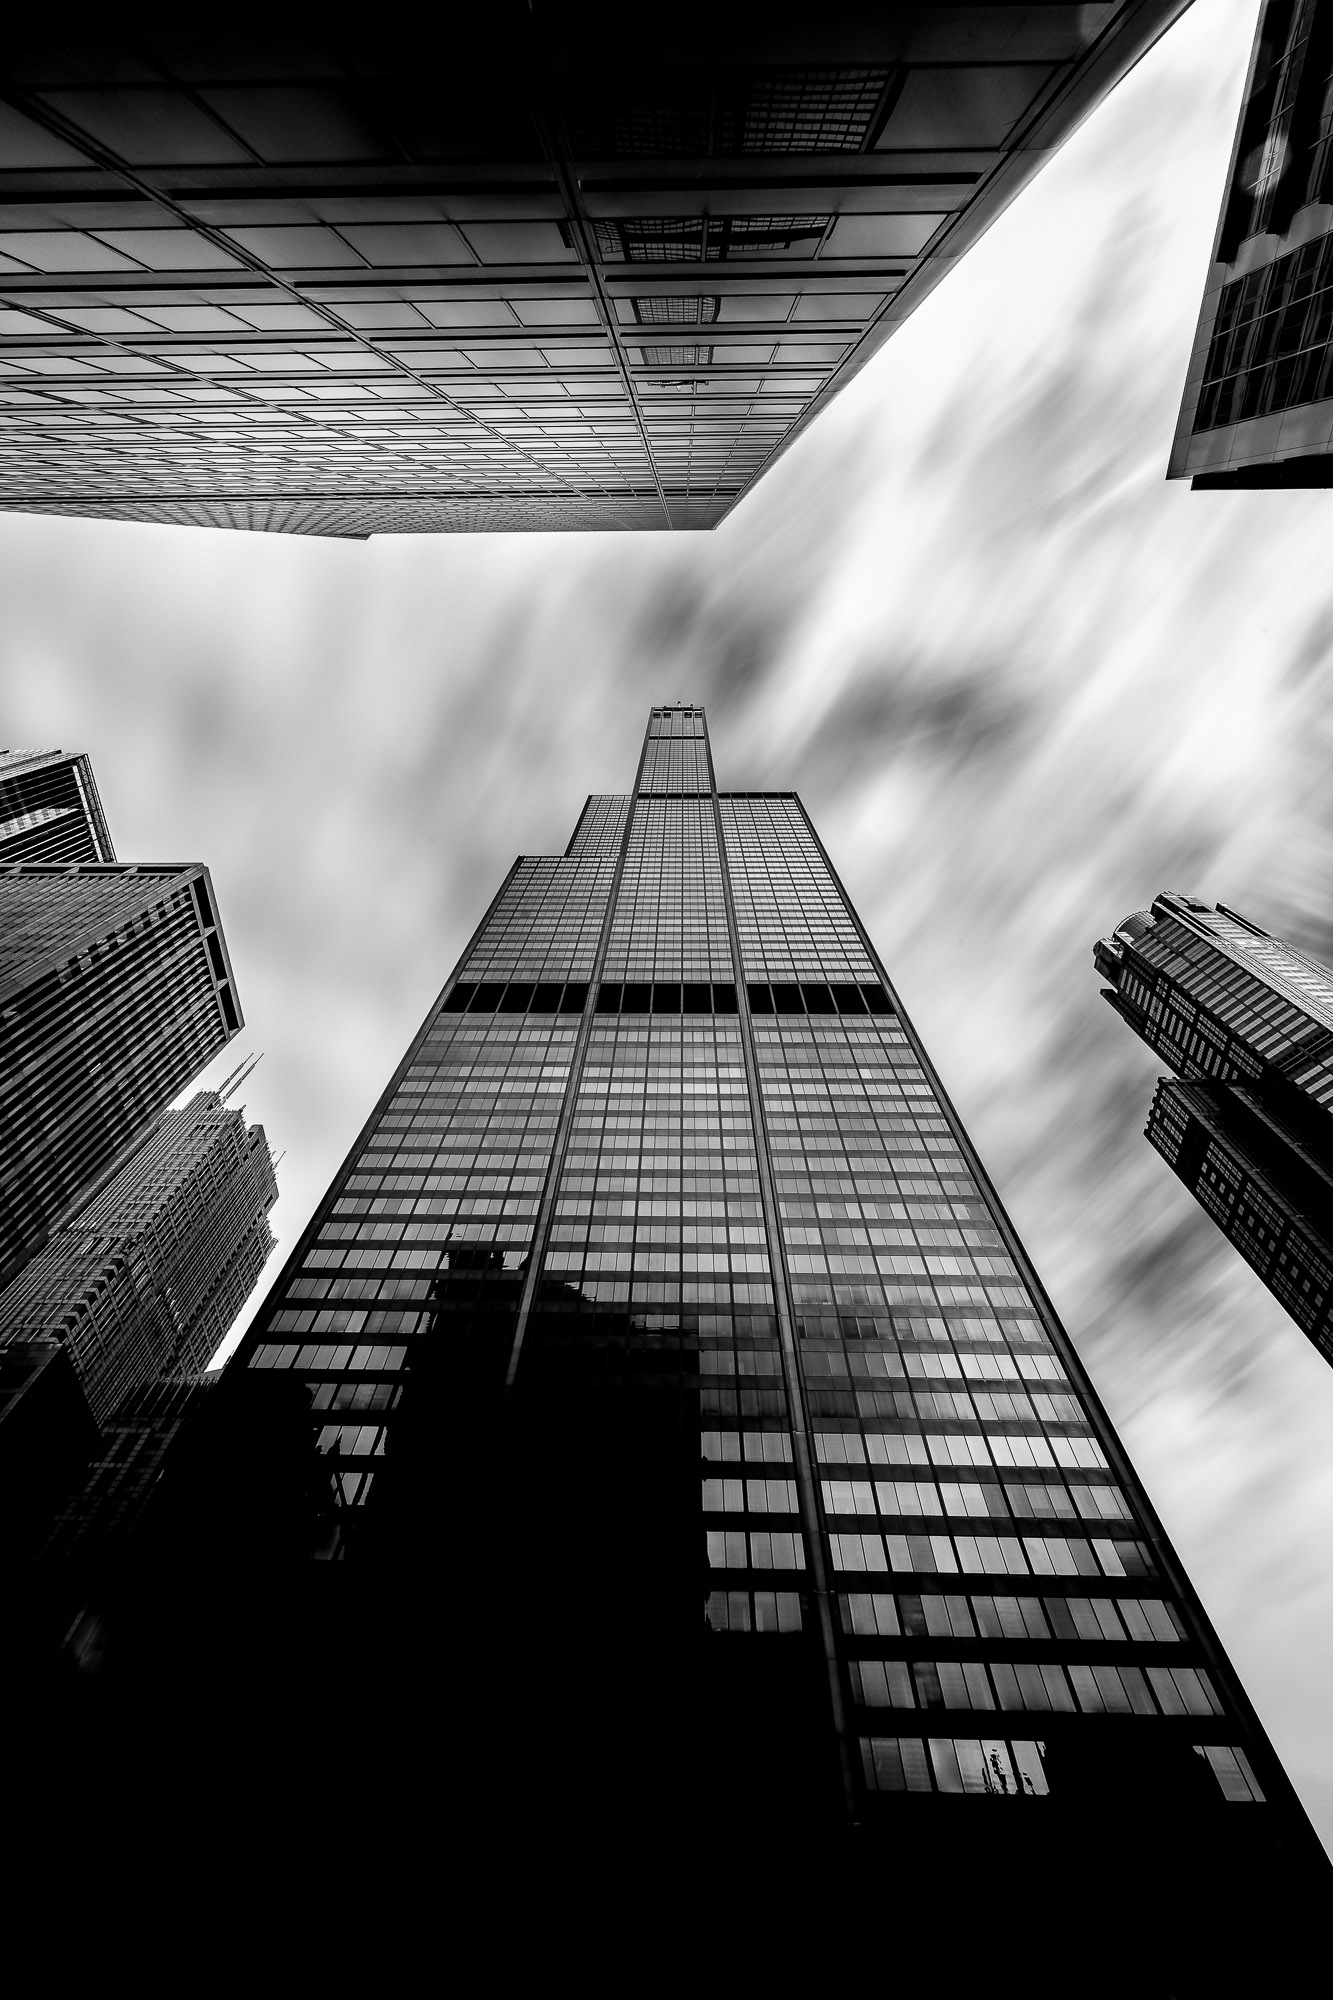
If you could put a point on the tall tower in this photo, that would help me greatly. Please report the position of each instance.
(145, 1274)
(115, 990)
(1246, 1023)
(682, 1384)
(49, 808)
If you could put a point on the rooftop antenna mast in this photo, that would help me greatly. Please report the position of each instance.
(232, 1083)
(231, 1074)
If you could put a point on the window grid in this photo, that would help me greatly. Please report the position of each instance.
(961, 1472)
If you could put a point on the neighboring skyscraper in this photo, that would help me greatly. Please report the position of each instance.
(144, 1276)
(49, 808)
(526, 267)
(1258, 403)
(1247, 1022)
(115, 990)
(799, 1505)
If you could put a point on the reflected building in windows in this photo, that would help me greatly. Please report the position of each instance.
(678, 1377)
(1258, 405)
(517, 269)
(115, 991)
(144, 1275)
(1246, 1023)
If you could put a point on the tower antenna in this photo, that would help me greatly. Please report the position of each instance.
(233, 1082)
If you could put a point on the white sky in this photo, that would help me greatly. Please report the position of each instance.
(1020, 682)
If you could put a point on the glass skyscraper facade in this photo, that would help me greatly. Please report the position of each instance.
(115, 990)
(526, 267)
(144, 1275)
(1246, 1022)
(1258, 404)
(664, 1292)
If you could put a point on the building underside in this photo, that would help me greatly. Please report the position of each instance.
(509, 275)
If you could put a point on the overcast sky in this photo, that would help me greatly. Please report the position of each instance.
(1020, 682)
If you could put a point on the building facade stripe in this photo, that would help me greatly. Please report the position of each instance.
(803, 1445)
(555, 1167)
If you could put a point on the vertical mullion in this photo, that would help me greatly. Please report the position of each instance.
(555, 1168)
(803, 1452)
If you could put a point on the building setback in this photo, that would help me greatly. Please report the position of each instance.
(1258, 404)
(524, 268)
(49, 808)
(115, 990)
(1246, 1023)
(145, 1275)
(704, 1467)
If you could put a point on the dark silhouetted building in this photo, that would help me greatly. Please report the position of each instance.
(162, 1485)
(49, 808)
(47, 1437)
(1246, 1023)
(115, 990)
(133, 1562)
(145, 1274)
(694, 1466)
(1258, 403)
(525, 267)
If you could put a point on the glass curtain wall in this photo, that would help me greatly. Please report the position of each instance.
(790, 1425)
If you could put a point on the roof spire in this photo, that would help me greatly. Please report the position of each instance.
(237, 1077)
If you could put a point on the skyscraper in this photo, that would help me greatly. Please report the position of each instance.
(1246, 1023)
(692, 1412)
(526, 267)
(49, 808)
(115, 990)
(145, 1273)
(1258, 404)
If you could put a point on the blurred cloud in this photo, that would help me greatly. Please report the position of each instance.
(1020, 682)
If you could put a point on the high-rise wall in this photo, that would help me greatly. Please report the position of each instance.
(1258, 404)
(1246, 1022)
(524, 267)
(49, 808)
(145, 1276)
(115, 990)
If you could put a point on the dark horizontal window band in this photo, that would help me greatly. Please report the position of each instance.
(665, 997)
(517, 997)
(1313, 469)
(812, 997)
(720, 998)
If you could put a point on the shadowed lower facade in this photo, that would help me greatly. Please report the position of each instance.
(522, 267)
